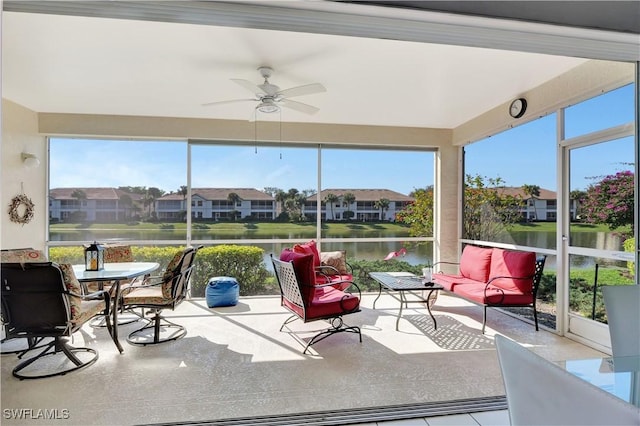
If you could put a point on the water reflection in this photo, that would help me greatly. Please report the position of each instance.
(366, 251)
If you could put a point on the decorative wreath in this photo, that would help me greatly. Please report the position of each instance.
(14, 207)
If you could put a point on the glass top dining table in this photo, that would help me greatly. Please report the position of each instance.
(620, 376)
(115, 272)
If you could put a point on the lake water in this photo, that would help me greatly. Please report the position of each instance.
(366, 250)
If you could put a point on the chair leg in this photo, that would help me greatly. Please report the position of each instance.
(535, 315)
(55, 347)
(20, 345)
(159, 326)
(288, 321)
(337, 326)
(484, 318)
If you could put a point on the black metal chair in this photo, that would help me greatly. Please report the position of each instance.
(309, 301)
(19, 255)
(44, 300)
(157, 295)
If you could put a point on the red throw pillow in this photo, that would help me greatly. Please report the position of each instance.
(511, 263)
(303, 265)
(309, 248)
(475, 263)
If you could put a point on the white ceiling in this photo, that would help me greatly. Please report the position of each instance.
(55, 63)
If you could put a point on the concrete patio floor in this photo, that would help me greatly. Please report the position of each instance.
(235, 363)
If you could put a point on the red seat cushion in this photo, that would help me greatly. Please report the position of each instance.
(475, 263)
(309, 248)
(327, 302)
(494, 295)
(324, 279)
(513, 263)
(451, 282)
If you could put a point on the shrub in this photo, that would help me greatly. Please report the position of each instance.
(245, 263)
(611, 200)
(361, 269)
(630, 245)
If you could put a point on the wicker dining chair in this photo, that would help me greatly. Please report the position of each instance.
(155, 296)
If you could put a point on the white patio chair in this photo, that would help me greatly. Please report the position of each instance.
(542, 393)
(623, 314)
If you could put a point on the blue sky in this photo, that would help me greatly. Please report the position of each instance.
(518, 154)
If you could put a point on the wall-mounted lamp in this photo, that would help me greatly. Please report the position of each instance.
(30, 161)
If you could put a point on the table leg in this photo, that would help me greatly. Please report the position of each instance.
(403, 300)
(116, 307)
(379, 293)
(435, 324)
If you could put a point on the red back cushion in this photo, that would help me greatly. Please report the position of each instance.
(475, 263)
(303, 265)
(512, 263)
(309, 248)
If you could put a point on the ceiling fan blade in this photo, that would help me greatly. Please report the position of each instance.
(249, 85)
(298, 106)
(307, 89)
(233, 101)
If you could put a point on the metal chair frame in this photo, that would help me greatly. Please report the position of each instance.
(291, 290)
(40, 287)
(156, 322)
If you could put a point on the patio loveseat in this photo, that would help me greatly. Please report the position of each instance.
(493, 277)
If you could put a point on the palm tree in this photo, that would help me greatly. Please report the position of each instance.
(300, 201)
(532, 191)
(155, 193)
(183, 191)
(234, 198)
(126, 202)
(280, 197)
(330, 199)
(79, 195)
(382, 204)
(348, 199)
(147, 201)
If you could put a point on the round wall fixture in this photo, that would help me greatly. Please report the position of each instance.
(518, 107)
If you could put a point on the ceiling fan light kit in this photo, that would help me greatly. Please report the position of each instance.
(267, 106)
(270, 98)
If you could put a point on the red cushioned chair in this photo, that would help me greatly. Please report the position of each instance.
(309, 301)
(330, 267)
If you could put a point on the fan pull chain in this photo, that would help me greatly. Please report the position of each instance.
(255, 129)
(280, 133)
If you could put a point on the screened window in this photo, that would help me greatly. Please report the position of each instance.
(508, 195)
(120, 183)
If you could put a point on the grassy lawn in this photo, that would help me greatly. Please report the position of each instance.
(575, 227)
(235, 229)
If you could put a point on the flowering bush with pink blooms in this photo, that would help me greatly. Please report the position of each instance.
(610, 201)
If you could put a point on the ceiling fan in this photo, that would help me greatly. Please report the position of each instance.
(270, 98)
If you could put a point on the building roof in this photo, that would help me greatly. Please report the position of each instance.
(366, 194)
(516, 191)
(92, 194)
(222, 194)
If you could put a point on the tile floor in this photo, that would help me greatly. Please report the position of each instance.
(485, 418)
(235, 363)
